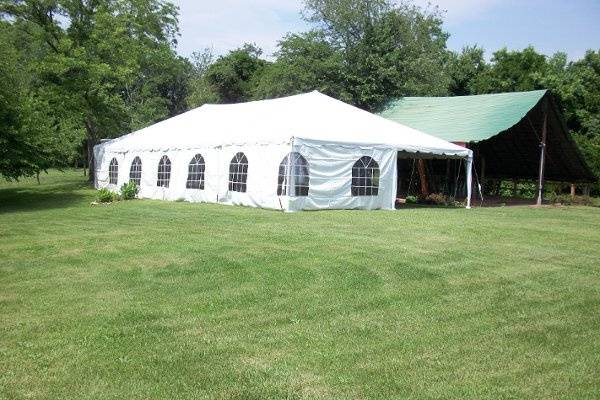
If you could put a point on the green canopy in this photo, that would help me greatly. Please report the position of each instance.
(503, 130)
(463, 118)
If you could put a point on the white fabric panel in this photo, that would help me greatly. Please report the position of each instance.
(263, 168)
(330, 167)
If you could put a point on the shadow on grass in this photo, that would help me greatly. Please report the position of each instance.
(31, 197)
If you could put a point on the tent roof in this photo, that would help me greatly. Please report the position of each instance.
(463, 118)
(311, 116)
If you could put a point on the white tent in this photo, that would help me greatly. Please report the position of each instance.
(303, 152)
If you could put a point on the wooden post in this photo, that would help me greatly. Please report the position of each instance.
(423, 177)
(572, 190)
(514, 189)
(542, 158)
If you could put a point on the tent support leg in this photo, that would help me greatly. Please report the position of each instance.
(542, 159)
(469, 170)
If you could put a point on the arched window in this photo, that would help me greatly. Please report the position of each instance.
(135, 172)
(293, 177)
(113, 172)
(238, 172)
(365, 177)
(164, 172)
(195, 179)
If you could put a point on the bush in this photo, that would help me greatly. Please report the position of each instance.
(411, 200)
(567, 200)
(436, 199)
(129, 191)
(105, 196)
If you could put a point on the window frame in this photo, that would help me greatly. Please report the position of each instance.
(164, 172)
(365, 177)
(293, 178)
(113, 172)
(135, 171)
(196, 170)
(238, 173)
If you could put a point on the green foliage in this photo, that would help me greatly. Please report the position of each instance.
(305, 62)
(129, 190)
(386, 50)
(464, 68)
(590, 148)
(232, 77)
(105, 196)
(568, 200)
(200, 91)
(32, 136)
(107, 66)
(412, 199)
(512, 71)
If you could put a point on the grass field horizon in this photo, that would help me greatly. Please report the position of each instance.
(148, 299)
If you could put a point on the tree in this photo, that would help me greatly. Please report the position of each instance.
(104, 61)
(578, 90)
(387, 50)
(464, 68)
(31, 138)
(512, 71)
(200, 92)
(232, 77)
(305, 62)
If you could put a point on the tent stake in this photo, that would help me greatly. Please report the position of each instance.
(542, 159)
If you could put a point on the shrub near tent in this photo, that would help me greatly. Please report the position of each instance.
(129, 190)
(104, 195)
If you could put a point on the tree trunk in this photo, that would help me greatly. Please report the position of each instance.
(423, 177)
(37, 176)
(90, 157)
(92, 140)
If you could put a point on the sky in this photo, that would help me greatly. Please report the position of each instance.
(572, 26)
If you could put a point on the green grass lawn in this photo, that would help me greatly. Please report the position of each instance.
(149, 299)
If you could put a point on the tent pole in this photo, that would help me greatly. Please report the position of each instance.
(469, 170)
(542, 159)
